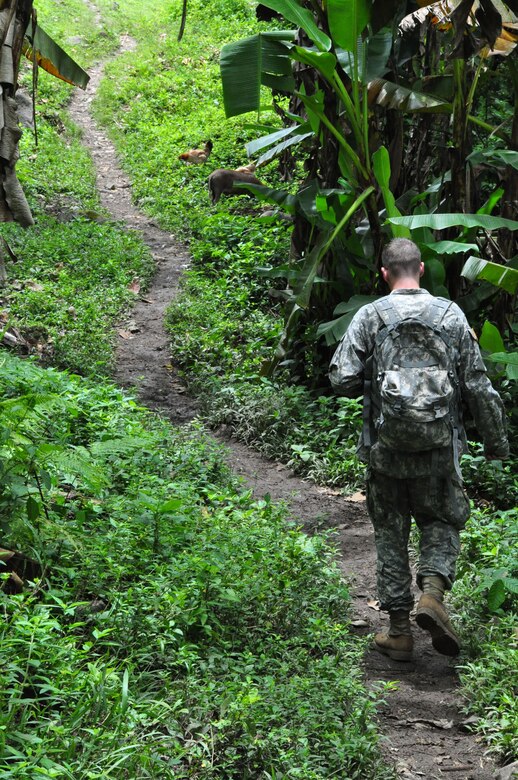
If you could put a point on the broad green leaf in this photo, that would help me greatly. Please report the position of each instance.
(303, 18)
(434, 276)
(476, 268)
(275, 151)
(33, 509)
(494, 157)
(507, 359)
(333, 203)
(390, 95)
(323, 61)
(170, 506)
(372, 55)
(496, 595)
(248, 63)
(52, 58)
(291, 135)
(511, 584)
(443, 221)
(281, 198)
(508, 156)
(267, 140)
(347, 20)
(335, 329)
(450, 247)
(354, 304)
(381, 167)
(490, 338)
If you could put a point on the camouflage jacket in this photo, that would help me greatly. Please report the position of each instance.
(477, 393)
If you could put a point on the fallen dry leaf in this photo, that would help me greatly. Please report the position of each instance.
(134, 285)
(373, 604)
(356, 497)
(125, 334)
(34, 286)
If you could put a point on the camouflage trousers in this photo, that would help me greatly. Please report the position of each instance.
(440, 508)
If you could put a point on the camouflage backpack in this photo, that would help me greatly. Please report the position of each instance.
(411, 398)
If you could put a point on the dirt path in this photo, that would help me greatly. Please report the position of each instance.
(421, 721)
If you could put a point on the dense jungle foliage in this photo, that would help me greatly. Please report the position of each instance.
(176, 626)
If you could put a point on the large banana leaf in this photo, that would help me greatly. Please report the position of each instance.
(450, 247)
(475, 268)
(246, 64)
(41, 47)
(381, 168)
(372, 56)
(335, 329)
(275, 151)
(390, 95)
(443, 221)
(498, 158)
(278, 141)
(347, 20)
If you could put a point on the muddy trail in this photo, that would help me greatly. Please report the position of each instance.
(422, 722)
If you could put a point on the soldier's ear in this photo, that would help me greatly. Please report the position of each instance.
(384, 273)
(421, 269)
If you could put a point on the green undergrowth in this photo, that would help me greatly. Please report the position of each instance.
(193, 634)
(70, 282)
(486, 599)
(174, 627)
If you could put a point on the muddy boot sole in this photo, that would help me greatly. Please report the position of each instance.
(443, 639)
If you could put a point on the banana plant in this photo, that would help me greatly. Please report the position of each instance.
(353, 64)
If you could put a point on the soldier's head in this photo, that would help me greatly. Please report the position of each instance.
(402, 266)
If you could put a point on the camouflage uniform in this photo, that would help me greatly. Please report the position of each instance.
(423, 485)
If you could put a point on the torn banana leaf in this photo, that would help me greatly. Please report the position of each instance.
(48, 55)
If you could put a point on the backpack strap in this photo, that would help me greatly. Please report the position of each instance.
(387, 311)
(435, 315)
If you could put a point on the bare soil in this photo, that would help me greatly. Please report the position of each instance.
(422, 722)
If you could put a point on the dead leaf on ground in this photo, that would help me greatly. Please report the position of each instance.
(356, 497)
(146, 300)
(373, 604)
(125, 334)
(134, 285)
(359, 623)
(36, 286)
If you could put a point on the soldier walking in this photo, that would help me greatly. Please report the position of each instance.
(419, 363)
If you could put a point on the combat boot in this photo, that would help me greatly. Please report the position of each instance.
(397, 643)
(432, 617)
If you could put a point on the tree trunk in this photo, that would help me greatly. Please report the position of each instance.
(14, 18)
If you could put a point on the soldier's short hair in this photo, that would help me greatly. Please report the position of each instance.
(401, 257)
